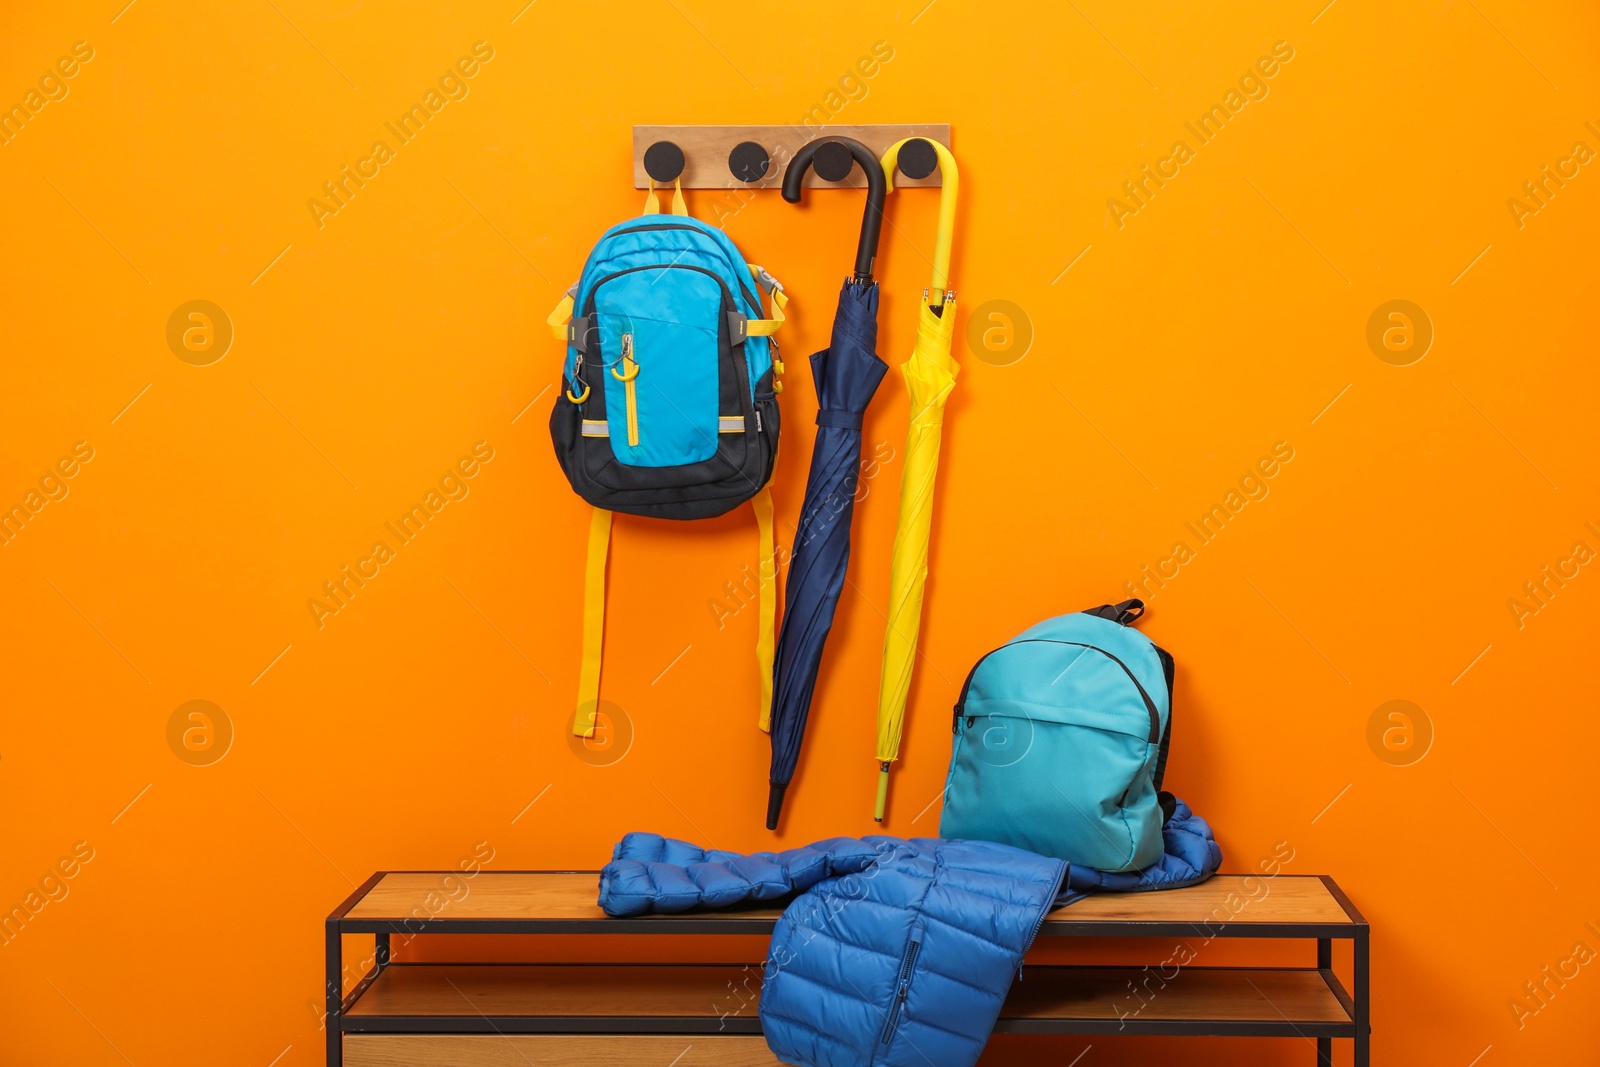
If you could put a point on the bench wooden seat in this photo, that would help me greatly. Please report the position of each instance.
(564, 902)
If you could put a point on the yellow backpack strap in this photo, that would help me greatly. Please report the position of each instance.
(652, 203)
(767, 582)
(594, 623)
(778, 298)
(558, 318)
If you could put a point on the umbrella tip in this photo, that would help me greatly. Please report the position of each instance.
(774, 804)
(883, 792)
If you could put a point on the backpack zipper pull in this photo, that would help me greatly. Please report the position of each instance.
(629, 370)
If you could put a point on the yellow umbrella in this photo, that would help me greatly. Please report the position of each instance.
(930, 375)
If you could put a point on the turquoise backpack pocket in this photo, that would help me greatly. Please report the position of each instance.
(661, 350)
(1060, 738)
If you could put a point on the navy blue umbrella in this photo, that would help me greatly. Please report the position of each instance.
(847, 374)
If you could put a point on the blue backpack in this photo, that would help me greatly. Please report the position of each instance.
(1061, 738)
(669, 398)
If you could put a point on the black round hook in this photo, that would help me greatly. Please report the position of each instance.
(833, 162)
(749, 161)
(917, 158)
(663, 161)
(872, 220)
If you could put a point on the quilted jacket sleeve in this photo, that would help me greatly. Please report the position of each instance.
(650, 873)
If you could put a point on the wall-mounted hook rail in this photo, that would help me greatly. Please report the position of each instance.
(754, 157)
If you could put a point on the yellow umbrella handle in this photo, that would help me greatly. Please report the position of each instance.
(951, 179)
(883, 792)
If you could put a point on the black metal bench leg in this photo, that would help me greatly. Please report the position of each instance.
(1324, 964)
(1361, 996)
(335, 993)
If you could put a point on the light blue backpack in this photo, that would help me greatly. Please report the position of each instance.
(668, 405)
(1061, 739)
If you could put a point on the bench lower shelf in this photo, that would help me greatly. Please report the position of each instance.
(554, 1050)
(720, 1002)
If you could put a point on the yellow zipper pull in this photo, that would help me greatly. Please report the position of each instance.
(629, 368)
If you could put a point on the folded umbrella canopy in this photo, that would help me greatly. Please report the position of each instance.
(847, 374)
(930, 375)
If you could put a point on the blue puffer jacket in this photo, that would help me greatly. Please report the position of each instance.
(898, 953)
(895, 953)
(650, 873)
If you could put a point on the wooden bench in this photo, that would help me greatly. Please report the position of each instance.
(689, 1015)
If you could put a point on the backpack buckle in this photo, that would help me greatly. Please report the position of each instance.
(766, 280)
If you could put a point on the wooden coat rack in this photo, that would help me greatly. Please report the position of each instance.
(753, 157)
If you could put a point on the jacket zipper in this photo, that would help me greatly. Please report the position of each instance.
(907, 963)
(1044, 913)
(1149, 705)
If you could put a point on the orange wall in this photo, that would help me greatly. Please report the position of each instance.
(1186, 340)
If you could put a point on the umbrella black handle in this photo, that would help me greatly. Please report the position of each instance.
(872, 221)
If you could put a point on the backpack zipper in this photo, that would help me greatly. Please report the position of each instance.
(735, 364)
(1149, 705)
(907, 963)
(627, 360)
(740, 269)
(630, 371)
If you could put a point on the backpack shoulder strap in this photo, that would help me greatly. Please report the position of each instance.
(1168, 670)
(778, 298)
(1127, 613)
(594, 612)
(767, 582)
(594, 623)
(557, 320)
